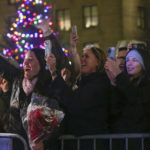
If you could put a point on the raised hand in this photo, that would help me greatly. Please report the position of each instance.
(3, 84)
(73, 39)
(66, 75)
(112, 69)
(44, 26)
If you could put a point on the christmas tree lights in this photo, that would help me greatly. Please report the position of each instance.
(23, 32)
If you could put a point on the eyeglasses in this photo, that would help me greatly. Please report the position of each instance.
(121, 57)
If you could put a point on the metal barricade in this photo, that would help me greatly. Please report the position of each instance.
(6, 141)
(109, 137)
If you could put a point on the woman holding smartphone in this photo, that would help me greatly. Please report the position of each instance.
(130, 96)
(87, 107)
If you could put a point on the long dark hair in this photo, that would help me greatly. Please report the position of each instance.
(44, 76)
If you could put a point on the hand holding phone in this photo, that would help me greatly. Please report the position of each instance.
(111, 52)
(74, 30)
(73, 36)
(48, 48)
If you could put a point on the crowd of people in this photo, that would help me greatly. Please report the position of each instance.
(96, 94)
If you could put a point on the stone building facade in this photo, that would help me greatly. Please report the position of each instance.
(98, 22)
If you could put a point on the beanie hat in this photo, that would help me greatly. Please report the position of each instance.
(40, 55)
(135, 54)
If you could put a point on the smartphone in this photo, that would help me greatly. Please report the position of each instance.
(74, 30)
(111, 52)
(48, 51)
(48, 48)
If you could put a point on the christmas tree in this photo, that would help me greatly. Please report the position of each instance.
(23, 35)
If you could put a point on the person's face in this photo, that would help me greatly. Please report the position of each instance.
(122, 53)
(121, 58)
(88, 62)
(134, 68)
(31, 65)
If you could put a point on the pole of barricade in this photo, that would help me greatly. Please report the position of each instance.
(142, 143)
(94, 144)
(10, 135)
(126, 139)
(111, 137)
(110, 144)
(78, 144)
(62, 144)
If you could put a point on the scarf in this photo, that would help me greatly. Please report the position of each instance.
(28, 85)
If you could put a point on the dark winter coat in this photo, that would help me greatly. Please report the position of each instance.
(18, 111)
(4, 111)
(88, 106)
(19, 101)
(131, 105)
(131, 102)
(8, 71)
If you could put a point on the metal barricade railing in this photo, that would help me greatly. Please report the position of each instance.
(7, 139)
(109, 137)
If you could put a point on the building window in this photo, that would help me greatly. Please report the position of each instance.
(13, 1)
(141, 17)
(63, 19)
(90, 14)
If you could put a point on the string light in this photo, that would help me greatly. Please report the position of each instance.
(16, 57)
(23, 32)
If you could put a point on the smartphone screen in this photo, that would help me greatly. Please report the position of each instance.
(74, 30)
(111, 52)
